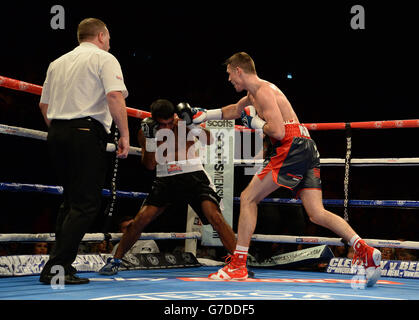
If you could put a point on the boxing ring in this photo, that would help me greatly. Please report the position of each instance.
(191, 283)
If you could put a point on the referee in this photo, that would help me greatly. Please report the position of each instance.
(83, 93)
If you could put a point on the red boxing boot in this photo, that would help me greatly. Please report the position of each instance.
(370, 259)
(234, 270)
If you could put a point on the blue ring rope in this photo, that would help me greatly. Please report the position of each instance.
(21, 187)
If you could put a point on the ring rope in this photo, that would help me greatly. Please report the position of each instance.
(42, 135)
(333, 241)
(36, 89)
(50, 237)
(136, 113)
(92, 237)
(58, 190)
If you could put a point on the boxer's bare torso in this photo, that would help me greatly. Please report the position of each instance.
(178, 147)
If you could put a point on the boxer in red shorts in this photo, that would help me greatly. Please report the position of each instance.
(294, 164)
(295, 161)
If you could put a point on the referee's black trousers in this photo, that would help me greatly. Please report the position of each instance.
(77, 149)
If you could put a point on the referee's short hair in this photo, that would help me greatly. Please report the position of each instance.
(90, 28)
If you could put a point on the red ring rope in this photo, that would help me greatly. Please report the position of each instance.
(135, 113)
(35, 89)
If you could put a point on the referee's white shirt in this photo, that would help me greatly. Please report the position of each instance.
(77, 83)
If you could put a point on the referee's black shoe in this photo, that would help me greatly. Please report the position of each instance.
(68, 279)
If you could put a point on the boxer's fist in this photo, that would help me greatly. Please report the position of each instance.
(191, 115)
(149, 127)
(185, 113)
(250, 118)
(199, 115)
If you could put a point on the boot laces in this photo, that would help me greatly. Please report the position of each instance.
(232, 260)
(360, 256)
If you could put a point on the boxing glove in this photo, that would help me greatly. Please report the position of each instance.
(185, 113)
(200, 115)
(250, 118)
(150, 127)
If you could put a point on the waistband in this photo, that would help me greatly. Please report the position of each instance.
(77, 121)
(292, 130)
(178, 167)
(86, 121)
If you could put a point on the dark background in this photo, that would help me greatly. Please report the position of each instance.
(176, 51)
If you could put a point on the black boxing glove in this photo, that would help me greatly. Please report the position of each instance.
(150, 127)
(185, 113)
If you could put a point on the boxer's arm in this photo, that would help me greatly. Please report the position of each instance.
(234, 111)
(186, 113)
(230, 112)
(148, 159)
(274, 126)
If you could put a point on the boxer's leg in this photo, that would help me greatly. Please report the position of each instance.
(146, 214)
(256, 191)
(369, 257)
(313, 204)
(224, 230)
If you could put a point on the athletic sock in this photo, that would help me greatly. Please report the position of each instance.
(355, 242)
(241, 254)
(241, 250)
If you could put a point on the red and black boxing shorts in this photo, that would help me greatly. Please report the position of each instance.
(294, 161)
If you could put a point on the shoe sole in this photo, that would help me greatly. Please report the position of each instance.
(217, 276)
(84, 281)
(76, 283)
(107, 273)
(372, 277)
(372, 274)
(231, 279)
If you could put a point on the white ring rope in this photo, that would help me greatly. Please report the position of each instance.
(333, 241)
(50, 237)
(41, 135)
